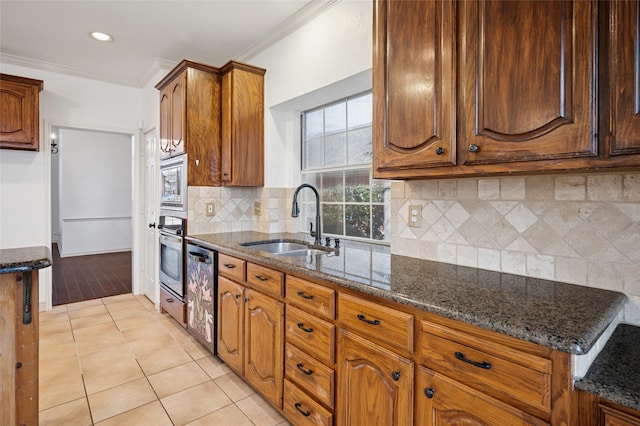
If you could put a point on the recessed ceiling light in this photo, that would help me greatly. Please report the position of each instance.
(101, 36)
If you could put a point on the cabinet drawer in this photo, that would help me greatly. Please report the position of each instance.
(173, 306)
(516, 377)
(231, 267)
(302, 410)
(613, 417)
(381, 324)
(313, 335)
(310, 374)
(314, 298)
(265, 279)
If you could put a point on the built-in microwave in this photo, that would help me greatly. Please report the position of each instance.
(173, 186)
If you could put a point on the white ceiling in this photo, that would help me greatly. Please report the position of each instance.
(53, 35)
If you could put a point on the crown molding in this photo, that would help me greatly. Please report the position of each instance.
(159, 64)
(62, 69)
(300, 18)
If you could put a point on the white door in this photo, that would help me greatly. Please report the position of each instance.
(150, 243)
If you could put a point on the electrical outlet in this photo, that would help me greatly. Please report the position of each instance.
(209, 210)
(415, 216)
(257, 208)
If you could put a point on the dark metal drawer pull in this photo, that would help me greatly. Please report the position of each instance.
(261, 278)
(169, 300)
(483, 364)
(305, 371)
(305, 296)
(229, 265)
(301, 327)
(363, 318)
(304, 413)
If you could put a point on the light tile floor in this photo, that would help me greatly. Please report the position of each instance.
(117, 361)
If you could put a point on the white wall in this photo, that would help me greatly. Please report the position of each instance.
(334, 46)
(25, 177)
(95, 191)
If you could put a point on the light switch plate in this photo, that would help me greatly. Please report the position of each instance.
(257, 208)
(415, 216)
(209, 209)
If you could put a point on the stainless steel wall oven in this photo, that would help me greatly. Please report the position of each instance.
(172, 250)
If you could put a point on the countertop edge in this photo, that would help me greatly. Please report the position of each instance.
(24, 259)
(577, 345)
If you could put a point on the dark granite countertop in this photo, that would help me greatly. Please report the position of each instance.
(24, 259)
(561, 316)
(615, 373)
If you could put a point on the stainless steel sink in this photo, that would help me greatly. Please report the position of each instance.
(286, 247)
(304, 252)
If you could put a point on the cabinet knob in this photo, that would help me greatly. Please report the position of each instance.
(237, 296)
(429, 392)
(395, 375)
(18, 365)
(474, 148)
(246, 300)
(439, 150)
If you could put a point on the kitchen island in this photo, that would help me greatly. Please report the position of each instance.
(19, 331)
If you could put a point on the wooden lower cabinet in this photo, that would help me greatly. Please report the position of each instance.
(442, 401)
(251, 333)
(264, 345)
(375, 385)
(615, 417)
(231, 323)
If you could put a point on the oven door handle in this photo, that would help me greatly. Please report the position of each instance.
(168, 239)
(199, 257)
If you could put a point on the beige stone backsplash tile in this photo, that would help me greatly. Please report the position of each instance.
(631, 187)
(512, 188)
(629, 243)
(604, 187)
(540, 266)
(632, 310)
(447, 189)
(573, 271)
(609, 276)
(570, 188)
(539, 188)
(489, 189)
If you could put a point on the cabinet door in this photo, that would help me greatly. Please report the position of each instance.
(230, 323)
(526, 83)
(200, 307)
(624, 73)
(242, 125)
(165, 123)
(375, 385)
(264, 345)
(442, 401)
(19, 106)
(178, 114)
(413, 86)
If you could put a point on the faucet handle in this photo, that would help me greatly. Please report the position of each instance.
(337, 242)
(328, 243)
(313, 234)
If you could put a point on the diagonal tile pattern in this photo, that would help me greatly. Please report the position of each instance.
(117, 361)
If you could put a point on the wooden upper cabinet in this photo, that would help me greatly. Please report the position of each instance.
(413, 85)
(242, 125)
(19, 112)
(190, 120)
(526, 78)
(178, 114)
(621, 64)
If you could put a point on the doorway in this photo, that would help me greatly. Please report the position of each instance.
(91, 209)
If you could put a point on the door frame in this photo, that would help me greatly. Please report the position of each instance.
(46, 276)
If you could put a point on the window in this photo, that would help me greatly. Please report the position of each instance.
(336, 159)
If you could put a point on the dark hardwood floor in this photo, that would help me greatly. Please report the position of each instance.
(80, 278)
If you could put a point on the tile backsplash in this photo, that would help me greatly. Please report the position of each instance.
(581, 229)
(233, 210)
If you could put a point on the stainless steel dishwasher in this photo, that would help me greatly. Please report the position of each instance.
(201, 289)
